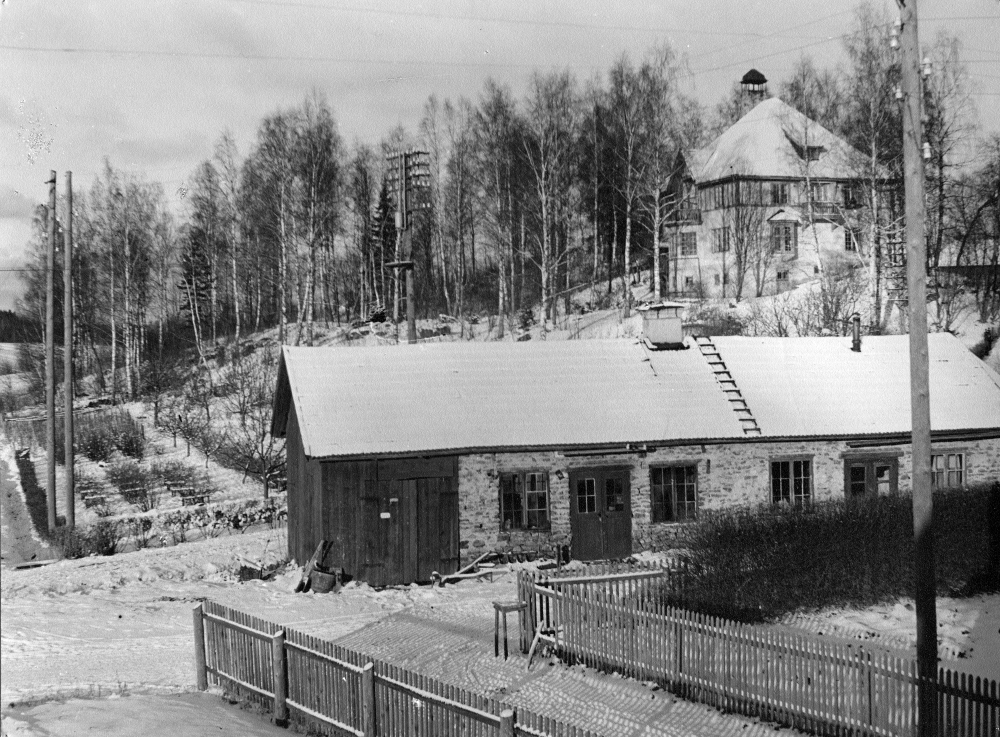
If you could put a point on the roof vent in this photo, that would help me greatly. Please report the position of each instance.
(661, 325)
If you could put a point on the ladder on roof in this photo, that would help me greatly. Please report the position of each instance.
(728, 384)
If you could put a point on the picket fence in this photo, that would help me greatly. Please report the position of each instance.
(335, 690)
(616, 620)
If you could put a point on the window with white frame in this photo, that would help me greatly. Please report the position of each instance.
(947, 470)
(791, 481)
(524, 500)
(689, 244)
(673, 493)
(784, 238)
(779, 193)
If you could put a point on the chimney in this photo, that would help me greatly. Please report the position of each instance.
(661, 325)
(856, 332)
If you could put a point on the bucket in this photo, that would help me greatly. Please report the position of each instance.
(322, 583)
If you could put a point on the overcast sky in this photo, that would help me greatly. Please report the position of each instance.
(151, 84)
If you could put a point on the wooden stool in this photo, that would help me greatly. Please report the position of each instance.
(505, 607)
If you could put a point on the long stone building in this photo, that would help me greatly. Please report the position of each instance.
(414, 459)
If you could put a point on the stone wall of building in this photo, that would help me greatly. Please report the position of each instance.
(729, 475)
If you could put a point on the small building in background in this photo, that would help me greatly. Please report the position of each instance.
(416, 459)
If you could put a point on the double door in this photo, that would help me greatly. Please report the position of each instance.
(600, 513)
(410, 530)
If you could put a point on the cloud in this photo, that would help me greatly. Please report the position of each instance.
(13, 204)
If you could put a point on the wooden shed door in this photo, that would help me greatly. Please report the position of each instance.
(600, 513)
(429, 509)
(410, 530)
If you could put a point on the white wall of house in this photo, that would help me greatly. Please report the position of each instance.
(818, 243)
(728, 475)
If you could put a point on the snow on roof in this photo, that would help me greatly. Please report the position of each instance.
(493, 396)
(455, 396)
(769, 142)
(818, 386)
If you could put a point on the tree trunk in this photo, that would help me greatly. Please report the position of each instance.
(656, 246)
(628, 257)
(282, 270)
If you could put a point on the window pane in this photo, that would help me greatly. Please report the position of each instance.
(883, 479)
(511, 509)
(859, 475)
(614, 495)
(586, 496)
(802, 482)
(780, 481)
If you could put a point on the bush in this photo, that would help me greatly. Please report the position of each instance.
(754, 565)
(134, 483)
(102, 538)
(100, 434)
(176, 473)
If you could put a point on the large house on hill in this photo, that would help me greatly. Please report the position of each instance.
(415, 459)
(765, 206)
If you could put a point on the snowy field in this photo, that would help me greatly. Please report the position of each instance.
(104, 628)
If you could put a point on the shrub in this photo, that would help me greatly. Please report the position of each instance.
(99, 434)
(102, 538)
(97, 445)
(176, 473)
(138, 530)
(753, 565)
(134, 483)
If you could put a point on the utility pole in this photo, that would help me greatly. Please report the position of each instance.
(68, 352)
(409, 176)
(50, 356)
(916, 273)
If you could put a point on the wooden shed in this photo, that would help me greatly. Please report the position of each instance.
(388, 521)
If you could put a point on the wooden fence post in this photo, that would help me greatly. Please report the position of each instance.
(280, 673)
(200, 668)
(368, 699)
(507, 723)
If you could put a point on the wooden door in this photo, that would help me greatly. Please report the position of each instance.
(380, 534)
(585, 517)
(617, 515)
(600, 513)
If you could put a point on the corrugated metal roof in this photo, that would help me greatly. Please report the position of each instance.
(452, 396)
(760, 144)
(818, 386)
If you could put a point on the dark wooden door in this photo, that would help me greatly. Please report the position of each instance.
(380, 533)
(600, 513)
(617, 519)
(410, 530)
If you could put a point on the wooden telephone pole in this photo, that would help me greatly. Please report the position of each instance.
(50, 354)
(916, 272)
(409, 176)
(68, 353)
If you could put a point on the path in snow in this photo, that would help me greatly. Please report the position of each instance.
(18, 542)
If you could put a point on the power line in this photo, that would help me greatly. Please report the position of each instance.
(512, 21)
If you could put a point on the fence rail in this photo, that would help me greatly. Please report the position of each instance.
(618, 621)
(342, 691)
